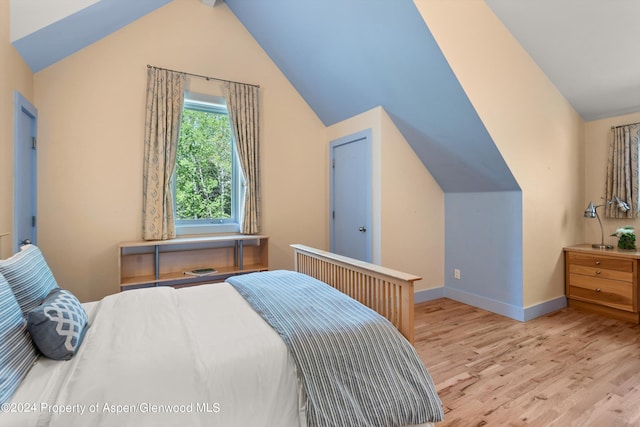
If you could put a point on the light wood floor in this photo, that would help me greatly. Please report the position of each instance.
(568, 368)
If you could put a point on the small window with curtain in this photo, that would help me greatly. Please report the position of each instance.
(207, 182)
(623, 177)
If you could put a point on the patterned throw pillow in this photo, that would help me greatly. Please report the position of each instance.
(29, 277)
(57, 326)
(17, 352)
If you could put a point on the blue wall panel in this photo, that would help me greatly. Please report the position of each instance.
(483, 238)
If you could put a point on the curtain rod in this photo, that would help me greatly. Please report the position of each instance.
(202, 77)
(621, 126)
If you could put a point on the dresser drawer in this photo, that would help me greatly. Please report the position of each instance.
(612, 293)
(619, 264)
(599, 272)
(603, 281)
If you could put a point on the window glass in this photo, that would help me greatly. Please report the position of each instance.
(206, 178)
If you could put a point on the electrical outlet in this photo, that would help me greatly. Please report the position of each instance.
(456, 273)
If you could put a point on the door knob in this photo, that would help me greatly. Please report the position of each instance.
(25, 242)
(363, 229)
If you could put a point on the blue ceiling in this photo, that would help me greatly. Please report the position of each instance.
(344, 57)
(62, 38)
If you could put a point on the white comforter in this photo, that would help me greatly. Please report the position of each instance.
(198, 356)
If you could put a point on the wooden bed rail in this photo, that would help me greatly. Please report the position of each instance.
(387, 291)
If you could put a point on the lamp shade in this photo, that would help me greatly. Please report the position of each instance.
(590, 212)
(621, 204)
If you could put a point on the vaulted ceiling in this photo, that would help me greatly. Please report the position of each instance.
(346, 57)
(587, 48)
(53, 40)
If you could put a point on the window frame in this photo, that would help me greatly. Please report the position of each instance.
(218, 105)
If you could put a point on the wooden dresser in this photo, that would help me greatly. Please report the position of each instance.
(603, 281)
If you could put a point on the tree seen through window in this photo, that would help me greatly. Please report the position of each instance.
(204, 175)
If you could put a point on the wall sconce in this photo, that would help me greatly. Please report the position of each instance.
(592, 212)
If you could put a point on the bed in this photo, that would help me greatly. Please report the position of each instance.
(239, 353)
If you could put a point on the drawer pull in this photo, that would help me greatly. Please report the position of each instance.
(598, 289)
(598, 272)
(597, 262)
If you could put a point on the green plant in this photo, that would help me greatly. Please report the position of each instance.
(626, 237)
(204, 166)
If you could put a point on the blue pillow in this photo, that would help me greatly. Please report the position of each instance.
(57, 327)
(29, 277)
(17, 352)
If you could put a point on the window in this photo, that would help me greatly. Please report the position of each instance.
(206, 180)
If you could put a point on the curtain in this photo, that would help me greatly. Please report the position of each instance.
(242, 104)
(622, 171)
(165, 95)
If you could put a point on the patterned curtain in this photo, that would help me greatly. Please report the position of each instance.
(242, 104)
(622, 170)
(165, 95)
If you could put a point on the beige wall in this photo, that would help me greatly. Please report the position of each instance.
(91, 127)
(15, 75)
(538, 133)
(598, 135)
(408, 204)
(412, 211)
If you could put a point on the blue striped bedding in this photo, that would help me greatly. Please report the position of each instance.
(355, 367)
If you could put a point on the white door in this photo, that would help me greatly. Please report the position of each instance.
(25, 184)
(351, 215)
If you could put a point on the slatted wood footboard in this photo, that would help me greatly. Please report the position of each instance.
(387, 291)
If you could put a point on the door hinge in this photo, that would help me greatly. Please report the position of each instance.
(33, 221)
(333, 214)
(34, 143)
(333, 163)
